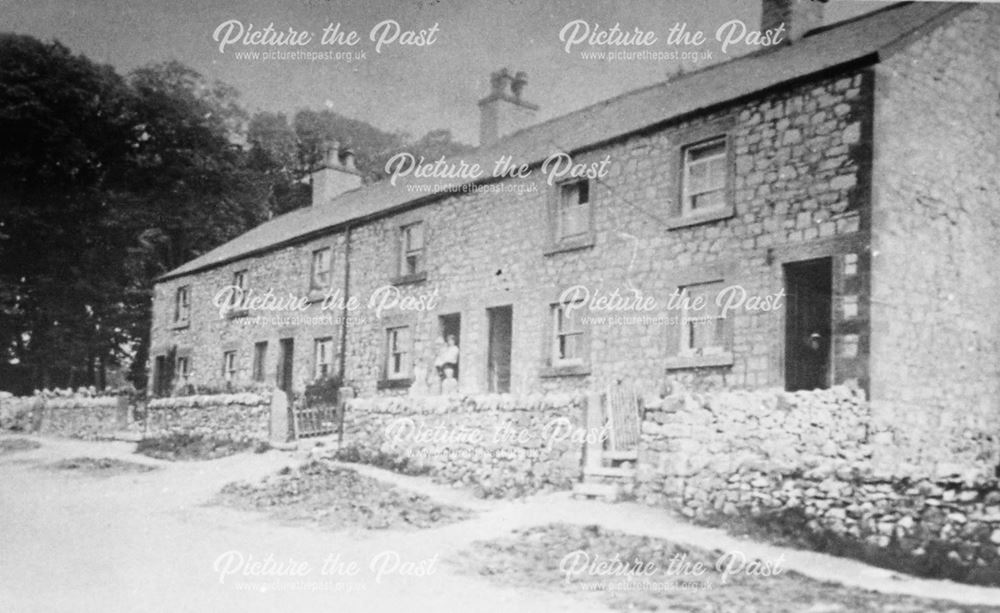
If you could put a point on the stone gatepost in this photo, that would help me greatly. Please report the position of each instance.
(278, 425)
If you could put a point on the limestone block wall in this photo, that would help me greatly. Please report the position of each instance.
(239, 418)
(935, 241)
(500, 445)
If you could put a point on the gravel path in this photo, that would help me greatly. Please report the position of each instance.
(150, 542)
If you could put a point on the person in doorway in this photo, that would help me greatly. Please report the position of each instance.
(450, 383)
(448, 357)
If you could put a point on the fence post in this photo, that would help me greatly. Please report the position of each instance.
(595, 423)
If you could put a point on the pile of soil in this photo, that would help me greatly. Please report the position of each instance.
(100, 466)
(338, 498)
(186, 447)
(12, 445)
(640, 573)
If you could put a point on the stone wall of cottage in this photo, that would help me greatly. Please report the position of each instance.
(935, 322)
(209, 334)
(799, 160)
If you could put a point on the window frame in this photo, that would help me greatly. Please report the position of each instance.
(229, 367)
(559, 332)
(241, 278)
(315, 284)
(553, 365)
(680, 353)
(182, 305)
(687, 193)
(406, 355)
(404, 251)
(318, 344)
(680, 213)
(558, 242)
(185, 372)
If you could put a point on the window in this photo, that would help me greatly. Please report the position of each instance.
(411, 249)
(321, 275)
(259, 357)
(704, 178)
(183, 369)
(240, 279)
(568, 339)
(397, 353)
(323, 358)
(704, 330)
(573, 214)
(229, 365)
(182, 304)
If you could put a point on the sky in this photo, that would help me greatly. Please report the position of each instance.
(410, 88)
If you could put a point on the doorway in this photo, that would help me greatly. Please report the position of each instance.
(285, 363)
(161, 376)
(809, 289)
(498, 357)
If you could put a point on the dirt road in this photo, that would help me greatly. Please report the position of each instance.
(150, 541)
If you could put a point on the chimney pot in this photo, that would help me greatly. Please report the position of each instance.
(798, 16)
(504, 110)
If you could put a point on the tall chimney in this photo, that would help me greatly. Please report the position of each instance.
(335, 174)
(798, 17)
(503, 111)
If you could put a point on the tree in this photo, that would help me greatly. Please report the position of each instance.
(65, 125)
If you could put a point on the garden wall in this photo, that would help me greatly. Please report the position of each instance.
(240, 418)
(500, 445)
(81, 414)
(817, 464)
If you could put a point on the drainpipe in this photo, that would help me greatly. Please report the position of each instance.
(341, 402)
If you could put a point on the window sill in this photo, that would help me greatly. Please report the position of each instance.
(394, 384)
(695, 219)
(181, 325)
(711, 360)
(576, 244)
(568, 370)
(418, 277)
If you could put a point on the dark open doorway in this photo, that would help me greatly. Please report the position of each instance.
(285, 363)
(809, 288)
(498, 359)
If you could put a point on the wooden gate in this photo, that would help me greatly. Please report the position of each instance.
(317, 420)
(621, 404)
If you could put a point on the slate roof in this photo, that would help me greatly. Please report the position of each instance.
(858, 41)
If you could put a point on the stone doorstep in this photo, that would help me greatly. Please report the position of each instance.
(605, 471)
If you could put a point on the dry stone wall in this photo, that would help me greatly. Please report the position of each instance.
(240, 418)
(817, 462)
(498, 444)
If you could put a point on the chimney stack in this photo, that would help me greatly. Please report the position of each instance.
(799, 16)
(335, 174)
(504, 111)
